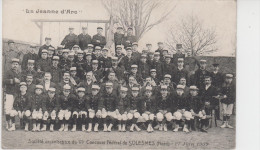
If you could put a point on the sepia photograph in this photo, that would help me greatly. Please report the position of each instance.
(119, 74)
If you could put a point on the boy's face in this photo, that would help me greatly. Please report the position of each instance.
(134, 47)
(32, 50)
(95, 66)
(164, 92)
(179, 92)
(183, 81)
(160, 46)
(30, 66)
(81, 94)
(104, 53)
(129, 53)
(94, 91)
(23, 88)
(167, 80)
(130, 32)
(80, 56)
(203, 66)
(148, 93)
(143, 59)
(135, 93)
(149, 47)
(50, 52)
(99, 31)
(73, 73)
(88, 57)
(123, 94)
(168, 60)
(134, 70)
(38, 91)
(97, 52)
(165, 53)
(109, 89)
(114, 62)
(44, 55)
(111, 76)
(156, 57)
(193, 92)
(151, 56)
(119, 51)
(153, 74)
(180, 63)
(216, 68)
(51, 94)
(15, 65)
(66, 92)
(71, 58)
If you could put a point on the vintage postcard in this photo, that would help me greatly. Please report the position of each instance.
(119, 74)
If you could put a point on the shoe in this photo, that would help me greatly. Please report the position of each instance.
(149, 128)
(66, 128)
(123, 128)
(96, 128)
(224, 125)
(12, 128)
(34, 127)
(26, 127)
(38, 128)
(61, 128)
(132, 128)
(43, 128)
(160, 127)
(137, 128)
(186, 130)
(51, 127)
(119, 128)
(165, 128)
(89, 127)
(83, 128)
(105, 128)
(109, 128)
(229, 126)
(74, 128)
(203, 130)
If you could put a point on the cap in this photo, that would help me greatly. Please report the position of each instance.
(33, 46)
(65, 50)
(84, 27)
(99, 28)
(203, 61)
(168, 56)
(75, 46)
(81, 89)
(80, 52)
(144, 51)
(148, 88)
(97, 48)
(180, 87)
(90, 45)
(124, 89)
(135, 43)
(66, 87)
(71, 53)
(156, 54)
(95, 87)
(130, 28)
(51, 89)
(88, 54)
(51, 48)
(215, 64)
(109, 84)
(129, 48)
(180, 59)
(119, 27)
(105, 49)
(15, 60)
(135, 89)
(163, 87)
(73, 68)
(39, 87)
(90, 73)
(229, 75)
(23, 84)
(119, 46)
(143, 55)
(66, 73)
(153, 70)
(44, 51)
(114, 58)
(167, 76)
(134, 66)
(30, 61)
(178, 46)
(95, 61)
(10, 41)
(193, 87)
(55, 58)
(165, 50)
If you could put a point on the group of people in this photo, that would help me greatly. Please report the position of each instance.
(77, 86)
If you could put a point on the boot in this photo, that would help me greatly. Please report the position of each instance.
(7, 125)
(185, 129)
(149, 128)
(38, 127)
(96, 127)
(12, 127)
(119, 128)
(83, 127)
(123, 128)
(61, 127)
(105, 128)
(160, 127)
(51, 127)
(137, 128)
(74, 128)
(110, 127)
(34, 127)
(66, 128)
(229, 126)
(224, 125)
(26, 127)
(165, 128)
(44, 128)
(176, 128)
(132, 128)
(89, 127)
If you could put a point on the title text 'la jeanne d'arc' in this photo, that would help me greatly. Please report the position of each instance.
(44, 11)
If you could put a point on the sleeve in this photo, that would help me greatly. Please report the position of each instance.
(57, 107)
(64, 41)
(128, 105)
(8, 78)
(94, 40)
(15, 105)
(170, 105)
(103, 42)
(154, 106)
(87, 104)
(44, 108)
(101, 103)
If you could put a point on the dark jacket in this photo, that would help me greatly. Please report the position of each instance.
(36, 101)
(79, 104)
(102, 40)
(92, 102)
(51, 104)
(207, 95)
(199, 77)
(147, 104)
(194, 103)
(70, 40)
(230, 92)
(123, 104)
(10, 86)
(84, 40)
(109, 101)
(21, 102)
(164, 103)
(66, 103)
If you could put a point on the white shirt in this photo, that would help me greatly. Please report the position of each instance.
(207, 86)
(47, 85)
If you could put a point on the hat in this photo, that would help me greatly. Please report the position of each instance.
(97, 48)
(148, 88)
(180, 59)
(81, 89)
(130, 28)
(44, 51)
(134, 66)
(229, 75)
(143, 56)
(109, 84)
(178, 46)
(129, 48)
(65, 50)
(165, 50)
(71, 53)
(119, 46)
(151, 53)
(30, 61)
(215, 64)
(180, 87)
(88, 54)
(144, 51)
(33, 46)
(135, 43)
(73, 68)
(66, 87)
(163, 86)
(10, 41)
(51, 48)
(23, 84)
(84, 27)
(156, 54)
(193, 87)
(95, 61)
(60, 47)
(71, 27)
(114, 58)
(15, 60)
(105, 49)
(39, 87)
(66, 73)
(99, 28)
(90, 45)
(55, 58)
(80, 52)
(51, 89)
(203, 61)
(29, 75)
(167, 76)
(135, 88)
(119, 27)
(148, 44)
(160, 43)
(75, 46)
(123, 89)
(168, 56)
(89, 73)
(153, 70)
(95, 87)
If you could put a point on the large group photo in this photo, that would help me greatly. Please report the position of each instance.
(121, 79)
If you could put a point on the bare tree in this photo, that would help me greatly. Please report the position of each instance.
(191, 33)
(137, 13)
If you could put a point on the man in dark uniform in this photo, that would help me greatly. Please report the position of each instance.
(64, 61)
(70, 40)
(119, 71)
(55, 71)
(105, 61)
(200, 74)
(181, 72)
(80, 64)
(168, 67)
(217, 77)
(135, 52)
(43, 64)
(127, 60)
(143, 67)
(98, 39)
(119, 53)
(160, 48)
(29, 70)
(129, 38)
(30, 55)
(46, 46)
(178, 54)
(84, 39)
(157, 64)
(118, 36)
(149, 47)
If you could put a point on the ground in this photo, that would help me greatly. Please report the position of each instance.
(216, 138)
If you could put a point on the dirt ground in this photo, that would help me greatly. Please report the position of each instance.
(216, 138)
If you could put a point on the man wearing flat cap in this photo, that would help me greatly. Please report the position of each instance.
(98, 39)
(47, 45)
(179, 54)
(118, 36)
(160, 48)
(31, 55)
(70, 40)
(84, 38)
(217, 76)
(129, 38)
(201, 73)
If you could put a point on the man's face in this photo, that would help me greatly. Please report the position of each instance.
(160, 46)
(88, 76)
(193, 92)
(88, 57)
(148, 93)
(179, 91)
(228, 80)
(94, 91)
(66, 92)
(111, 76)
(180, 63)
(189, 52)
(99, 31)
(47, 77)
(104, 53)
(65, 55)
(119, 51)
(81, 94)
(114, 62)
(55, 62)
(135, 93)
(131, 80)
(183, 81)
(90, 49)
(29, 79)
(179, 51)
(71, 31)
(157, 57)
(32, 50)
(168, 60)
(73, 73)
(95, 66)
(80, 56)
(167, 80)
(134, 47)
(216, 68)
(148, 80)
(207, 81)
(130, 31)
(38, 91)
(153, 74)
(164, 92)
(97, 52)
(44, 55)
(15, 65)
(151, 56)
(30, 66)
(66, 77)
(109, 89)
(71, 58)
(165, 53)
(129, 53)
(51, 94)
(84, 30)
(123, 94)
(149, 47)
(23, 88)
(143, 59)
(134, 70)
(119, 30)
(48, 42)
(203, 66)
